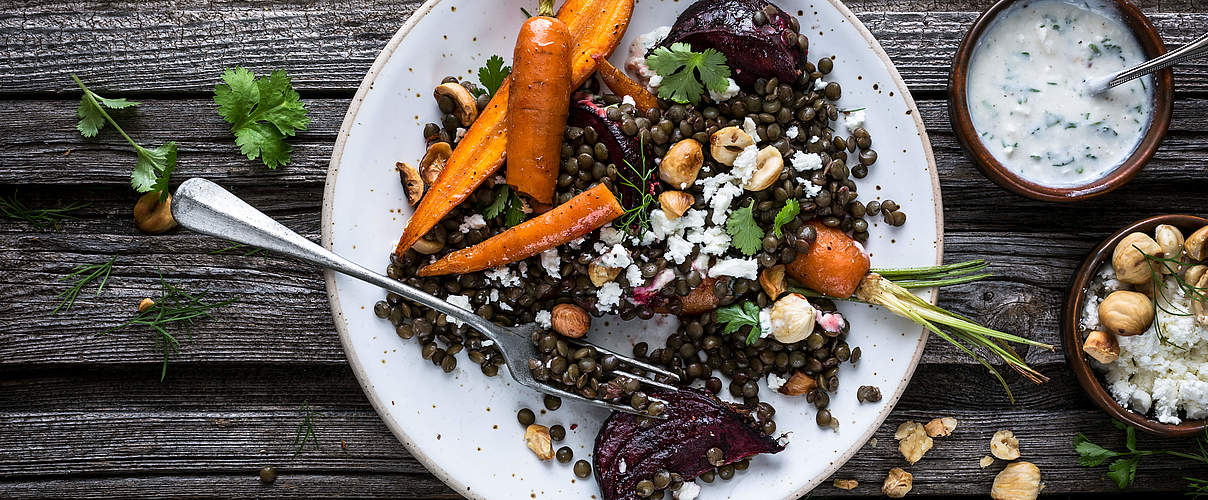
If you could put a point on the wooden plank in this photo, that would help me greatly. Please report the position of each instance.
(220, 427)
(135, 47)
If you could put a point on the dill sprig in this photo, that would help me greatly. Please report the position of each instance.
(636, 219)
(306, 429)
(1159, 268)
(41, 218)
(174, 307)
(83, 274)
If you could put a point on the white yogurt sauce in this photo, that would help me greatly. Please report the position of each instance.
(1027, 91)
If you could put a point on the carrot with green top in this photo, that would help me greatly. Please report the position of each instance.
(834, 265)
(596, 26)
(587, 212)
(538, 105)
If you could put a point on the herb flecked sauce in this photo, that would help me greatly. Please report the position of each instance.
(1027, 91)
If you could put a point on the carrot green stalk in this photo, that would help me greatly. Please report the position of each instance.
(620, 84)
(583, 214)
(596, 26)
(538, 105)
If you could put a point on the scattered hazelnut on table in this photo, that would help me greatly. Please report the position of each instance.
(537, 438)
(1018, 481)
(1004, 445)
(986, 461)
(846, 484)
(940, 427)
(152, 215)
(145, 304)
(913, 440)
(897, 483)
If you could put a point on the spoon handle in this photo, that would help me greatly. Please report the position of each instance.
(1195, 49)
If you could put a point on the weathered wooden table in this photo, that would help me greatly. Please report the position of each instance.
(83, 415)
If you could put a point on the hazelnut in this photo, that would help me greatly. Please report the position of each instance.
(1102, 346)
(1170, 239)
(1199, 306)
(913, 440)
(152, 215)
(772, 280)
(1196, 245)
(145, 304)
(940, 427)
(536, 437)
(897, 483)
(798, 384)
(1018, 481)
(1193, 274)
(427, 247)
(601, 274)
(726, 144)
(769, 163)
(1129, 261)
(465, 106)
(682, 163)
(434, 161)
(570, 320)
(791, 318)
(1004, 445)
(412, 182)
(675, 203)
(846, 484)
(986, 461)
(1126, 313)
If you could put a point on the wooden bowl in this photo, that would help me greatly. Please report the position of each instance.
(1072, 340)
(962, 123)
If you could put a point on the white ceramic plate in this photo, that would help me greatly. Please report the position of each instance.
(463, 426)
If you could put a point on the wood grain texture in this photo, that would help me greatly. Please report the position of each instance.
(84, 416)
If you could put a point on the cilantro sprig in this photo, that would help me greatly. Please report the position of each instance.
(740, 315)
(686, 74)
(262, 112)
(492, 75)
(1123, 469)
(154, 167)
(506, 203)
(745, 233)
(786, 215)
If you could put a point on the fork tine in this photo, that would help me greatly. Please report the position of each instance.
(627, 359)
(554, 391)
(645, 380)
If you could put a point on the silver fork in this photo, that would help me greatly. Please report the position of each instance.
(207, 208)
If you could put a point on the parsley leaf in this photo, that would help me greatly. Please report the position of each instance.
(515, 213)
(493, 74)
(262, 112)
(1123, 471)
(498, 205)
(738, 316)
(1091, 454)
(745, 233)
(686, 74)
(508, 204)
(786, 215)
(154, 167)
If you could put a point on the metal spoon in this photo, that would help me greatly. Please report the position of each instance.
(1195, 49)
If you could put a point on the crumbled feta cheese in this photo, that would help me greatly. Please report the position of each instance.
(746, 163)
(687, 491)
(713, 241)
(611, 235)
(628, 99)
(608, 296)
(617, 257)
(765, 328)
(748, 126)
(461, 301)
(775, 382)
(853, 119)
(656, 81)
(804, 162)
(576, 243)
(810, 190)
(731, 91)
(523, 267)
(493, 296)
(503, 276)
(819, 85)
(738, 268)
(633, 274)
(459, 134)
(551, 262)
(678, 249)
(792, 132)
(505, 306)
(622, 466)
(544, 319)
(721, 202)
(472, 222)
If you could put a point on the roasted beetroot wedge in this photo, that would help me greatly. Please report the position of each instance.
(770, 48)
(624, 151)
(627, 452)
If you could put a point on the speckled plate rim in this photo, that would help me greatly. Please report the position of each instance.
(337, 310)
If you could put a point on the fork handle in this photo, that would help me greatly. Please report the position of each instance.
(207, 208)
(1194, 49)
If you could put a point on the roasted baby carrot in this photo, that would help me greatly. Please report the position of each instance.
(621, 84)
(538, 104)
(588, 211)
(834, 265)
(596, 26)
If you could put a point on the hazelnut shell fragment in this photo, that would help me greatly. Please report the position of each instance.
(1004, 445)
(675, 203)
(897, 483)
(940, 427)
(798, 384)
(1018, 481)
(413, 184)
(537, 438)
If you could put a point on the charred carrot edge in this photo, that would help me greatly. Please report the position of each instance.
(538, 105)
(596, 27)
(834, 265)
(588, 211)
(620, 84)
